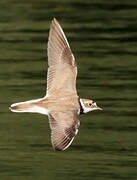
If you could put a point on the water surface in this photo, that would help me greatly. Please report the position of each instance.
(102, 35)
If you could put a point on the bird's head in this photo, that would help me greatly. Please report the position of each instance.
(89, 105)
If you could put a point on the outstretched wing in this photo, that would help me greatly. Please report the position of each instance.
(64, 127)
(62, 71)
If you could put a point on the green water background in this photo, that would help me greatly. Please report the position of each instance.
(103, 38)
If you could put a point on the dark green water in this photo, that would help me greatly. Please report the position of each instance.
(103, 37)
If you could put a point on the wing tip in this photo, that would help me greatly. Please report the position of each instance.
(54, 20)
(62, 148)
(54, 23)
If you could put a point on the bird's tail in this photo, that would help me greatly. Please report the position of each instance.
(27, 106)
(22, 107)
(33, 106)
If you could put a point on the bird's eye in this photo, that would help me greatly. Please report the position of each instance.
(89, 104)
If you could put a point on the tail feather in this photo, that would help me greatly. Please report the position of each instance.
(22, 107)
(33, 106)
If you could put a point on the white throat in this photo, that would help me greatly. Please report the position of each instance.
(85, 109)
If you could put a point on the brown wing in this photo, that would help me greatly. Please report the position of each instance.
(62, 71)
(64, 127)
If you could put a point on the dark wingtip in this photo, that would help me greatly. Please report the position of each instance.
(57, 148)
(55, 20)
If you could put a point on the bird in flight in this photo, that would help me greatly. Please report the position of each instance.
(61, 103)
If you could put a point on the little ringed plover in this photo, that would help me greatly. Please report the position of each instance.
(61, 103)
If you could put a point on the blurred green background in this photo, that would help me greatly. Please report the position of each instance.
(103, 38)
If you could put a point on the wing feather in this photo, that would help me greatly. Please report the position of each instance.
(64, 127)
(62, 71)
